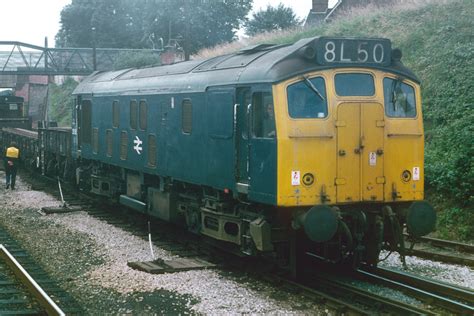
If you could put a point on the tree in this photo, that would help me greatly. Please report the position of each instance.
(104, 23)
(195, 24)
(271, 19)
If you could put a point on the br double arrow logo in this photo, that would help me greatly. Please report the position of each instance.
(138, 145)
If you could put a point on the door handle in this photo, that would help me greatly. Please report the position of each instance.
(362, 142)
(342, 152)
(361, 145)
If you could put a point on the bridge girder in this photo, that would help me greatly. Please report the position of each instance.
(27, 59)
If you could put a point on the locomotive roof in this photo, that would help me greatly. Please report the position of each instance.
(263, 63)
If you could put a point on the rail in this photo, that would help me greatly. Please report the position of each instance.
(43, 299)
(382, 303)
(442, 250)
(453, 298)
(468, 248)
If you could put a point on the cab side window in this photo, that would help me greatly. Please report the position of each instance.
(187, 116)
(142, 114)
(133, 114)
(399, 99)
(115, 113)
(263, 115)
(307, 99)
(86, 121)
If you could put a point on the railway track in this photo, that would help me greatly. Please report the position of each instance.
(442, 250)
(23, 285)
(348, 300)
(337, 295)
(459, 246)
(358, 299)
(359, 295)
(443, 295)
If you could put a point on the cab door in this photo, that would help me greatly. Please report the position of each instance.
(360, 149)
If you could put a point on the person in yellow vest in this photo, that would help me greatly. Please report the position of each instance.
(12, 156)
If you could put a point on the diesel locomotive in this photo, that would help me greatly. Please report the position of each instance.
(13, 112)
(275, 150)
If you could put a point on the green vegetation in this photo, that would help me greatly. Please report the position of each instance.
(136, 60)
(61, 102)
(271, 19)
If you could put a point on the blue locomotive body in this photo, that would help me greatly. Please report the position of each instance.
(195, 132)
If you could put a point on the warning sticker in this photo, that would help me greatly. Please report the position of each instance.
(295, 178)
(372, 158)
(416, 173)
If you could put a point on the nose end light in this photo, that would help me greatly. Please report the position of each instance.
(406, 176)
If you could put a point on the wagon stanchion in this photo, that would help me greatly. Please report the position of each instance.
(149, 241)
(61, 193)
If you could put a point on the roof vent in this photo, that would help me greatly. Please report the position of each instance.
(255, 48)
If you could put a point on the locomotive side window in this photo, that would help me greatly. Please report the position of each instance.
(307, 99)
(399, 98)
(123, 145)
(86, 116)
(152, 150)
(354, 85)
(142, 109)
(263, 116)
(95, 140)
(133, 114)
(109, 142)
(187, 116)
(115, 113)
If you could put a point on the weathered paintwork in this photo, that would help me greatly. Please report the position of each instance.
(327, 147)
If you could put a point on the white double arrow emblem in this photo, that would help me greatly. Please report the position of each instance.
(138, 145)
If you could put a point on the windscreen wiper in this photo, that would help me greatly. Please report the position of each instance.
(311, 85)
(396, 89)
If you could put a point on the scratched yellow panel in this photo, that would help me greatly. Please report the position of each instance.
(348, 157)
(372, 155)
(404, 150)
(313, 146)
(306, 146)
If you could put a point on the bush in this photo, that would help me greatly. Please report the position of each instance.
(456, 223)
(62, 102)
(136, 60)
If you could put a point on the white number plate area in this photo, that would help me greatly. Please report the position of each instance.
(353, 51)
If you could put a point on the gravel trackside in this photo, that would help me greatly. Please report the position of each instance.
(88, 258)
